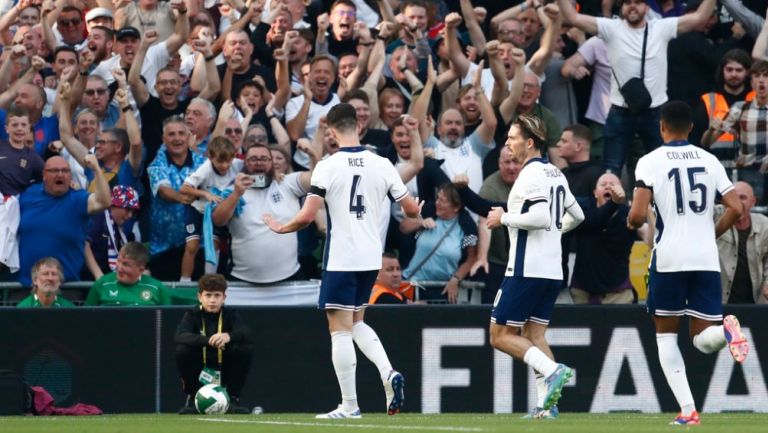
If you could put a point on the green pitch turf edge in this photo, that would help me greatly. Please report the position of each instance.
(370, 423)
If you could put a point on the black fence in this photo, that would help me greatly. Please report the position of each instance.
(122, 360)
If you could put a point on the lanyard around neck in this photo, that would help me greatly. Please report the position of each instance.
(219, 350)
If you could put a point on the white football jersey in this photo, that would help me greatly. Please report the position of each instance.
(537, 253)
(355, 183)
(684, 179)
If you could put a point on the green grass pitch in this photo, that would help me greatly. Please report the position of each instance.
(301, 423)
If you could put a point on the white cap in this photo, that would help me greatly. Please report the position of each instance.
(97, 13)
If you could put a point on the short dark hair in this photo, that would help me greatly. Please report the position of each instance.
(66, 49)
(356, 94)
(16, 112)
(580, 131)
(677, 117)
(389, 255)
(212, 283)
(759, 67)
(110, 33)
(308, 35)
(735, 55)
(246, 84)
(342, 117)
(70, 8)
(136, 251)
(411, 3)
(343, 2)
(533, 127)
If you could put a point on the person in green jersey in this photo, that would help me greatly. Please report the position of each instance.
(128, 285)
(47, 276)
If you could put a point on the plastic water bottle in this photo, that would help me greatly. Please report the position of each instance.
(257, 410)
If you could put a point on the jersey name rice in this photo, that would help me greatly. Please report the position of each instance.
(355, 183)
(537, 253)
(684, 179)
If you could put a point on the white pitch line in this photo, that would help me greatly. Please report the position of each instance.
(370, 426)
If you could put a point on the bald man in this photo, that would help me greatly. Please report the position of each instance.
(743, 251)
(54, 218)
(601, 271)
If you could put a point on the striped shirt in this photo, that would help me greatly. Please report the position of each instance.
(749, 122)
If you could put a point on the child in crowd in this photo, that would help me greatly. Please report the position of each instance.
(206, 183)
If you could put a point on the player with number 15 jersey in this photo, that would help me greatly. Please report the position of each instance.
(684, 180)
(355, 182)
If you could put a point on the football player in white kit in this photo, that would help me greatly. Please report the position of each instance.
(353, 184)
(681, 181)
(540, 208)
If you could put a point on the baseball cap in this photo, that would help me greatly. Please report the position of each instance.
(127, 32)
(125, 197)
(98, 13)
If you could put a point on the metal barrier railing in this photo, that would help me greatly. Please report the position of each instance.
(469, 291)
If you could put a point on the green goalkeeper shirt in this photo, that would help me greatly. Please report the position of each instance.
(108, 291)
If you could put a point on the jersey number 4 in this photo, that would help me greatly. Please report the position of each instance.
(356, 205)
(696, 206)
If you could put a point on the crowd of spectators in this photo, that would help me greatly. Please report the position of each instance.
(178, 124)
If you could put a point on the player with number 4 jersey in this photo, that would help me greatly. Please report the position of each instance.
(353, 183)
(682, 180)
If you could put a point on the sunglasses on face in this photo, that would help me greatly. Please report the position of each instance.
(230, 131)
(92, 92)
(71, 22)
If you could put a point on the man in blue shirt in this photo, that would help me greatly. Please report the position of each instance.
(54, 218)
(173, 163)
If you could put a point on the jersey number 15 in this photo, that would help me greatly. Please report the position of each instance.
(696, 206)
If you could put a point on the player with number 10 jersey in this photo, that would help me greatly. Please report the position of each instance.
(537, 253)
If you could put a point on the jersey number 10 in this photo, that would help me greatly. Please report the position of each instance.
(556, 200)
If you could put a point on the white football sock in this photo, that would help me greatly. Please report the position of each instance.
(541, 389)
(674, 370)
(345, 363)
(710, 340)
(540, 362)
(368, 342)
